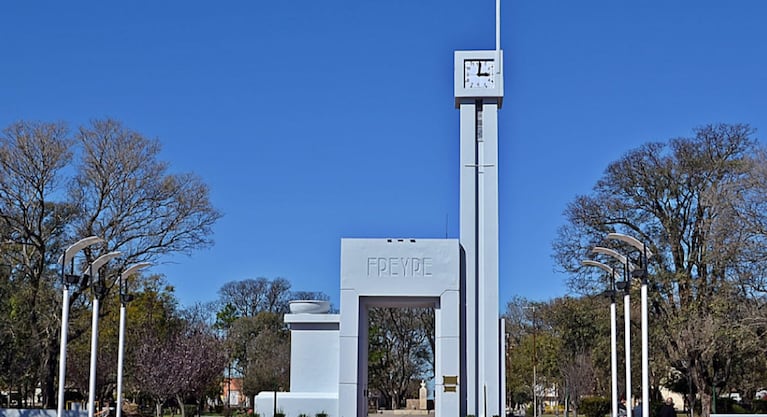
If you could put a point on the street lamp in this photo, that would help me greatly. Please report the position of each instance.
(613, 339)
(99, 290)
(535, 364)
(67, 280)
(124, 299)
(645, 254)
(624, 285)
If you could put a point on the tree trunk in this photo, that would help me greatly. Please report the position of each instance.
(158, 408)
(180, 401)
(49, 390)
(705, 404)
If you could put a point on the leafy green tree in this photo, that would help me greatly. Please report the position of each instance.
(250, 317)
(261, 347)
(532, 352)
(582, 328)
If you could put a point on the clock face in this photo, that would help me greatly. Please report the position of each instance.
(479, 73)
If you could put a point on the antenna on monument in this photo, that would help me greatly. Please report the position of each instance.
(498, 36)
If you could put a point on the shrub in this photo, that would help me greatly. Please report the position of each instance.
(594, 406)
(190, 409)
(321, 414)
(529, 411)
(725, 406)
(759, 406)
(739, 409)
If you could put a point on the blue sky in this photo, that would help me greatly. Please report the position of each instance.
(317, 120)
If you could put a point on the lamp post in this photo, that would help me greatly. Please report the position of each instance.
(626, 287)
(645, 254)
(67, 280)
(627, 267)
(99, 290)
(124, 299)
(535, 364)
(613, 339)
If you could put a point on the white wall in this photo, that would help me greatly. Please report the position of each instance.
(314, 351)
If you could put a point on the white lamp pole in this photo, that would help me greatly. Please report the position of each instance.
(68, 257)
(627, 339)
(628, 266)
(625, 286)
(645, 355)
(613, 338)
(121, 343)
(645, 255)
(94, 272)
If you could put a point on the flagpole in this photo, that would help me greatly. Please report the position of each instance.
(497, 36)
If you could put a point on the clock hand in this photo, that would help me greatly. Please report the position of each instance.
(479, 71)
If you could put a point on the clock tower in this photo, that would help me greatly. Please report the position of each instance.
(479, 95)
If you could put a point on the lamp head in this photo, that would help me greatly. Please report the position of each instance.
(608, 293)
(639, 273)
(70, 279)
(99, 289)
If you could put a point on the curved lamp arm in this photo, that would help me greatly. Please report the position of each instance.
(621, 258)
(132, 270)
(101, 260)
(604, 267)
(81, 244)
(633, 242)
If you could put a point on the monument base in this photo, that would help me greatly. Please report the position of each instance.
(297, 403)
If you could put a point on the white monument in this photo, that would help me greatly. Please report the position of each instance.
(399, 273)
(313, 363)
(479, 95)
(458, 278)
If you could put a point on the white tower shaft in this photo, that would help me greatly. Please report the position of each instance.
(479, 240)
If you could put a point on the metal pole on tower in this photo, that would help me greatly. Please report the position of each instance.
(498, 36)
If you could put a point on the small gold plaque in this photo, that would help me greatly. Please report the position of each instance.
(450, 380)
(449, 388)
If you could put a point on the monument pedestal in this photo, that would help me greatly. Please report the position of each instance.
(314, 353)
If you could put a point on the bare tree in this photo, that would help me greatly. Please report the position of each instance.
(249, 297)
(578, 373)
(32, 156)
(400, 351)
(697, 202)
(119, 191)
(126, 195)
